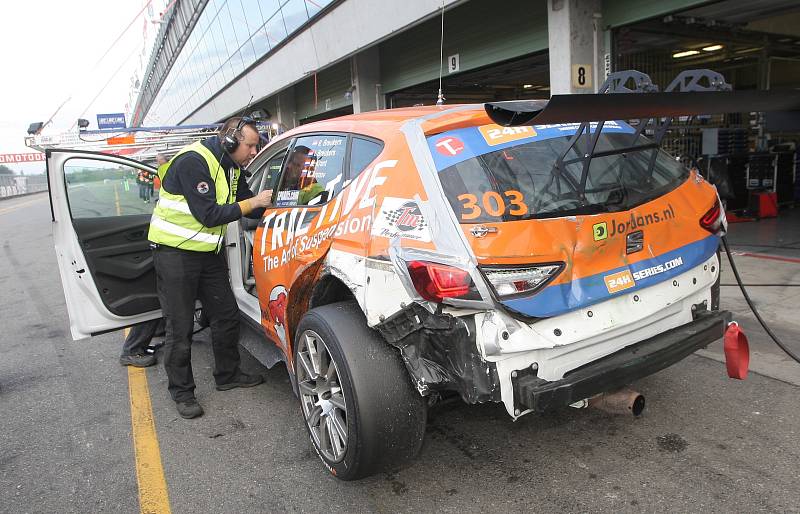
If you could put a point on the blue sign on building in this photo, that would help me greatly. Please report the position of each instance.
(111, 121)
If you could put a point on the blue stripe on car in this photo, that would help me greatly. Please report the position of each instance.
(561, 298)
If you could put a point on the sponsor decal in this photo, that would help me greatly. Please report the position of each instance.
(658, 269)
(114, 120)
(449, 146)
(287, 198)
(21, 157)
(202, 188)
(639, 221)
(288, 233)
(276, 309)
(600, 231)
(290, 236)
(496, 135)
(625, 279)
(619, 281)
(459, 145)
(400, 217)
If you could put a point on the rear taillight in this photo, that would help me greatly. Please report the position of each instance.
(712, 220)
(435, 282)
(509, 282)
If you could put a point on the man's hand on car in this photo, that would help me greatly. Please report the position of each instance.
(262, 199)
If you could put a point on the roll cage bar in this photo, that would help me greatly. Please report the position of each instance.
(642, 101)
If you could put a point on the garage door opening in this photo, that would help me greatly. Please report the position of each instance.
(524, 78)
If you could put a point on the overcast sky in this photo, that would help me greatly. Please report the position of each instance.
(50, 52)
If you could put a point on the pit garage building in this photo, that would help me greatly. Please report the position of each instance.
(305, 60)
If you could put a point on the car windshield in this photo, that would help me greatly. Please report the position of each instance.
(492, 173)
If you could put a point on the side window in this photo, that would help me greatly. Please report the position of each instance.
(266, 169)
(314, 170)
(272, 171)
(98, 189)
(362, 153)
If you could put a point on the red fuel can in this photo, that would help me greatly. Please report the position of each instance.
(737, 352)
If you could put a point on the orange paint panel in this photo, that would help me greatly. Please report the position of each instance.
(291, 242)
(668, 222)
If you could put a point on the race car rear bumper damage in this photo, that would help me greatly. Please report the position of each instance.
(620, 368)
(440, 354)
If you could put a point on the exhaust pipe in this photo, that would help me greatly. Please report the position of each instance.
(624, 401)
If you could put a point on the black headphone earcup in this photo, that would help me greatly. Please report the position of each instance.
(230, 143)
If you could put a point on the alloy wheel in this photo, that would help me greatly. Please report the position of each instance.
(324, 406)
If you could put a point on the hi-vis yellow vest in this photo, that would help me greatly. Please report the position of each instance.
(172, 223)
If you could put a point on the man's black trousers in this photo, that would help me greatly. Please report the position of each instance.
(141, 335)
(184, 276)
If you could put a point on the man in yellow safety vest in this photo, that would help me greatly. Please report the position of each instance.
(201, 192)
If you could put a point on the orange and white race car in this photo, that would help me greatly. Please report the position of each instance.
(500, 252)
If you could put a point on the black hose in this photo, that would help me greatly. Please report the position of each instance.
(753, 307)
(759, 285)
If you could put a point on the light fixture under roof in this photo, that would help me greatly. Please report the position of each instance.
(685, 53)
(712, 48)
(527, 86)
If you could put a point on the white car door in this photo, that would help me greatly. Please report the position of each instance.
(101, 216)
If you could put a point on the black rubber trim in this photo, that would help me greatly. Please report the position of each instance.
(621, 368)
(600, 107)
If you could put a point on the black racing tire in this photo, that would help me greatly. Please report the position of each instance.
(385, 415)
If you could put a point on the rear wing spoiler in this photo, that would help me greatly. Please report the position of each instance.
(693, 97)
(692, 92)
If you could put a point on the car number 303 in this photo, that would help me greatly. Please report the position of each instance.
(493, 203)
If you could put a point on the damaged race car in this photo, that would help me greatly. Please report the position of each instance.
(528, 253)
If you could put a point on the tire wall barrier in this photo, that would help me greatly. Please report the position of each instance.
(13, 185)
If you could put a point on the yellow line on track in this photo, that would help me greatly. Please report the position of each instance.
(17, 206)
(153, 496)
(116, 201)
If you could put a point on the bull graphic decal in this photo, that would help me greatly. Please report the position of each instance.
(276, 310)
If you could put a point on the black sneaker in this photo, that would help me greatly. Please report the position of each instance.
(241, 380)
(138, 361)
(153, 348)
(189, 409)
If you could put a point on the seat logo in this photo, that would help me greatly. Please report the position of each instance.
(634, 242)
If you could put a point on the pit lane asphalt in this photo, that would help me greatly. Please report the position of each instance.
(705, 442)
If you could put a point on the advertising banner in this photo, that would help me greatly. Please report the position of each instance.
(111, 121)
(9, 158)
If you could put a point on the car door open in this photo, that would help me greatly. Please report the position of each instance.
(101, 213)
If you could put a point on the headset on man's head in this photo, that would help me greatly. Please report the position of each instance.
(232, 136)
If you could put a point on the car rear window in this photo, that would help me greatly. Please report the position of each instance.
(492, 173)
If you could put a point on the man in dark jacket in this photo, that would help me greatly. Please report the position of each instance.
(201, 192)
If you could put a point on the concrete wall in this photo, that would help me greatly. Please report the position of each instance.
(348, 28)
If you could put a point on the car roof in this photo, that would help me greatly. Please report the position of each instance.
(434, 119)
